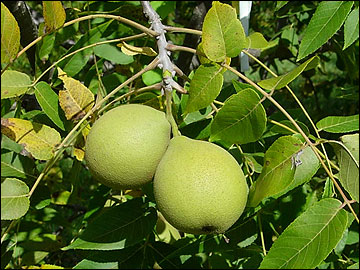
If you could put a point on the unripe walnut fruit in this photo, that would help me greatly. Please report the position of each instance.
(125, 145)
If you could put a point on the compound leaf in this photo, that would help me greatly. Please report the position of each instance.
(339, 124)
(14, 83)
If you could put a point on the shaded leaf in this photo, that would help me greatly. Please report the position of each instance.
(77, 99)
(326, 21)
(205, 86)
(38, 139)
(349, 166)
(54, 15)
(14, 199)
(113, 54)
(14, 83)
(351, 28)
(306, 242)
(222, 33)
(132, 50)
(339, 124)
(10, 36)
(278, 170)
(281, 81)
(241, 120)
(118, 227)
(14, 165)
(49, 102)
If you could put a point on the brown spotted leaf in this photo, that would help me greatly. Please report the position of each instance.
(38, 139)
(76, 100)
(54, 15)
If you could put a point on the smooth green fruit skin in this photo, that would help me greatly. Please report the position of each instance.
(125, 145)
(199, 187)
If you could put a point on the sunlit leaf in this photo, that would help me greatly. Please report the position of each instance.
(10, 36)
(241, 120)
(205, 86)
(351, 28)
(281, 81)
(256, 41)
(278, 170)
(49, 102)
(306, 242)
(133, 50)
(326, 21)
(349, 165)
(222, 33)
(77, 99)
(339, 124)
(38, 139)
(14, 83)
(54, 15)
(119, 227)
(14, 199)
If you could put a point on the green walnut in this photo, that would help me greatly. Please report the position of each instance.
(125, 145)
(199, 187)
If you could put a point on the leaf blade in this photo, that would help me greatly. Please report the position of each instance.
(14, 83)
(326, 21)
(205, 86)
(281, 81)
(223, 34)
(54, 15)
(49, 102)
(14, 200)
(10, 35)
(38, 139)
(241, 120)
(351, 28)
(304, 236)
(278, 171)
(339, 124)
(349, 168)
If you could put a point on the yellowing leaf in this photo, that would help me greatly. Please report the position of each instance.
(79, 154)
(10, 35)
(132, 50)
(54, 15)
(76, 100)
(38, 139)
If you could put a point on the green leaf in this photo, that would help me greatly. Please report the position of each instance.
(349, 166)
(113, 54)
(223, 34)
(10, 36)
(278, 170)
(49, 102)
(118, 227)
(14, 199)
(205, 86)
(288, 123)
(326, 21)
(14, 165)
(74, 64)
(38, 139)
(14, 83)
(151, 77)
(304, 172)
(241, 120)
(307, 241)
(339, 124)
(281, 81)
(257, 41)
(351, 28)
(54, 15)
